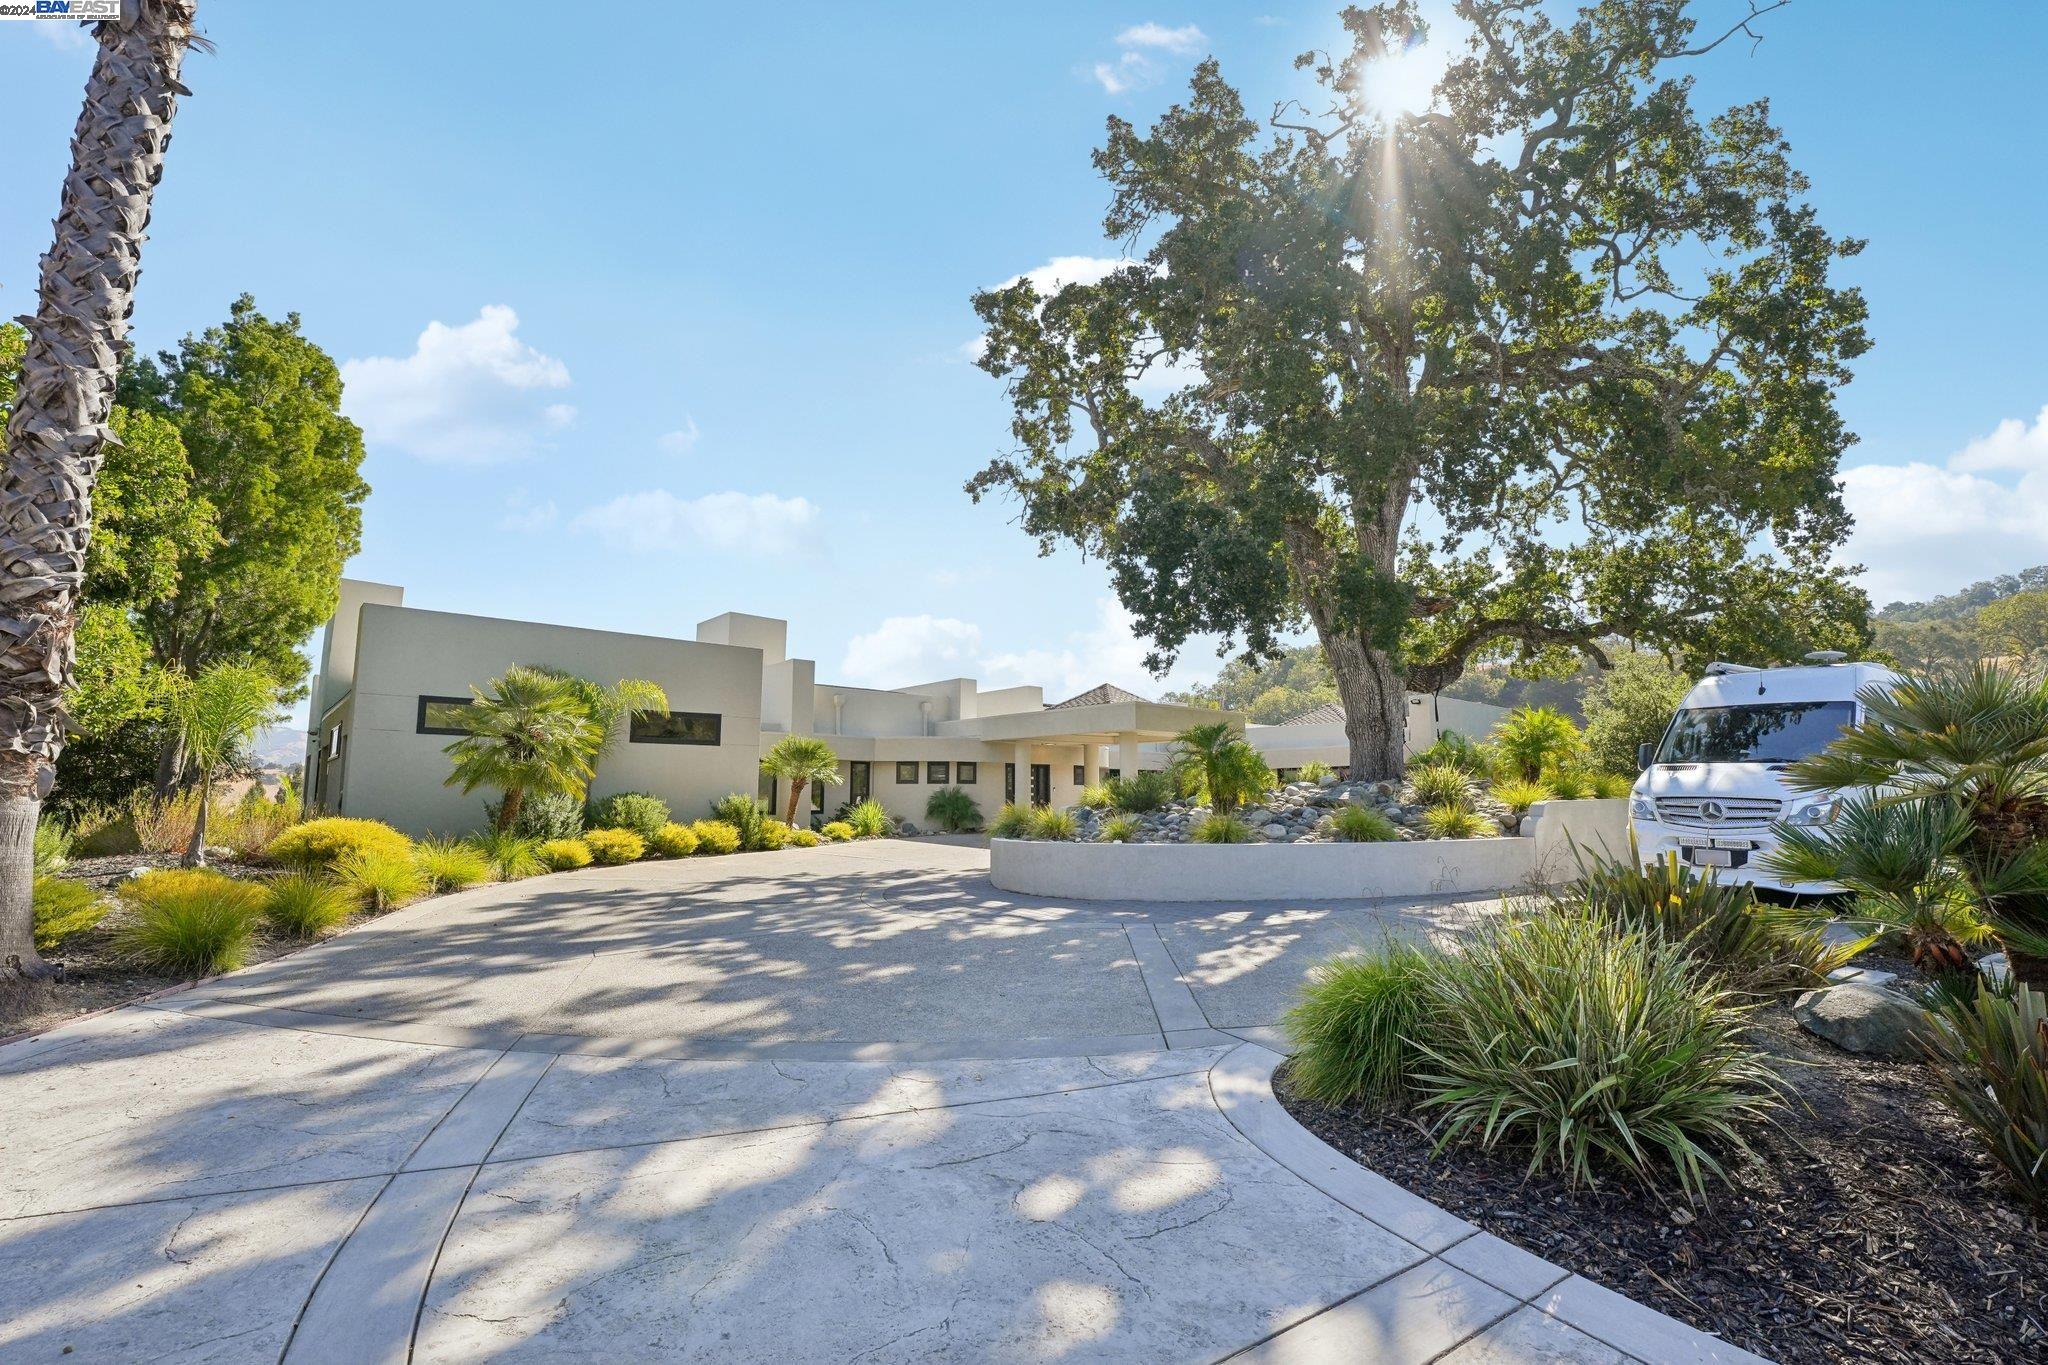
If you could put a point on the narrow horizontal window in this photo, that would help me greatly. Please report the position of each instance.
(938, 773)
(676, 727)
(906, 774)
(442, 715)
(969, 774)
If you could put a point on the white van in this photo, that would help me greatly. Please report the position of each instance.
(1711, 790)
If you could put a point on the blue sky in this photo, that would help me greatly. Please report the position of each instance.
(655, 317)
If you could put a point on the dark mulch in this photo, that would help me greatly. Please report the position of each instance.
(1871, 1228)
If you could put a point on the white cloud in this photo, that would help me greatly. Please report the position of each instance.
(1924, 528)
(1184, 39)
(682, 440)
(469, 394)
(1126, 74)
(913, 649)
(1061, 271)
(659, 522)
(525, 517)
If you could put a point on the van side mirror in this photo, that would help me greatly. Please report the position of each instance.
(1643, 758)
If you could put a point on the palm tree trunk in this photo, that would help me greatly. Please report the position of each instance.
(508, 809)
(57, 436)
(796, 791)
(195, 852)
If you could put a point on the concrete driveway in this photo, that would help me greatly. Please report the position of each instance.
(836, 1104)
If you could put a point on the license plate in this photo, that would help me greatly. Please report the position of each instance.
(1713, 857)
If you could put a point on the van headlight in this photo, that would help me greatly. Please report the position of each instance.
(1814, 813)
(1641, 808)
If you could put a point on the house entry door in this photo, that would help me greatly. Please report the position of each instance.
(1041, 784)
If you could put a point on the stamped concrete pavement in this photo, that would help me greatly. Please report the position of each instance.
(839, 1104)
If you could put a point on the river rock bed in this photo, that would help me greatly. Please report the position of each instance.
(1291, 814)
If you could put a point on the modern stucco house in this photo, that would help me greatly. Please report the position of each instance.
(392, 679)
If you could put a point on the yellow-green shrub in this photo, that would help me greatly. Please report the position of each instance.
(63, 908)
(305, 906)
(381, 880)
(610, 847)
(450, 864)
(715, 837)
(804, 838)
(564, 855)
(774, 834)
(189, 921)
(320, 845)
(837, 831)
(674, 841)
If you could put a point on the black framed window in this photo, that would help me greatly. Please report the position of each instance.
(676, 727)
(938, 772)
(441, 715)
(906, 774)
(1010, 782)
(1080, 775)
(1108, 773)
(817, 796)
(967, 773)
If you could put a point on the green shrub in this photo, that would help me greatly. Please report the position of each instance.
(52, 846)
(1013, 821)
(189, 921)
(1094, 796)
(319, 845)
(1454, 822)
(1568, 783)
(837, 831)
(1531, 739)
(101, 829)
(1613, 786)
(1441, 784)
(450, 864)
(637, 811)
(1742, 941)
(1990, 1058)
(745, 815)
(804, 838)
(611, 847)
(63, 908)
(869, 820)
(564, 855)
(305, 906)
(543, 815)
(715, 837)
(380, 881)
(1221, 829)
(774, 834)
(1361, 825)
(1454, 750)
(1518, 795)
(511, 856)
(951, 808)
(674, 841)
(1588, 1048)
(1353, 1025)
(1628, 705)
(1118, 829)
(1049, 822)
(1136, 793)
(1215, 761)
(1315, 770)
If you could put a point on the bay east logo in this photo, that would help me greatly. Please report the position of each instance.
(75, 10)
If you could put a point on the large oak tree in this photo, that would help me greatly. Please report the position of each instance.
(1550, 362)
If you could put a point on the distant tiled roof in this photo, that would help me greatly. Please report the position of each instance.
(1329, 713)
(1104, 695)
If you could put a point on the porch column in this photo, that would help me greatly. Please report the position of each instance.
(1127, 754)
(1091, 765)
(1023, 761)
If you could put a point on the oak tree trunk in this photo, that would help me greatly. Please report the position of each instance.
(57, 435)
(1375, 707)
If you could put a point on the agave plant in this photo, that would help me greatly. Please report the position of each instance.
(1975, 738)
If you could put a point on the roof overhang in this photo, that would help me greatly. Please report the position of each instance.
(1104, 724)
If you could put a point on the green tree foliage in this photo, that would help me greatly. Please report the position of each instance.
(1998, 617)
(217, 714)
(1269, 691)
(800, 760)
(529, 732)
(1629, 705)
(1214, 762)
(1565, 298)
(2016, 624)
(610, 707)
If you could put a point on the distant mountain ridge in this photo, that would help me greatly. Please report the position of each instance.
(1962, 603)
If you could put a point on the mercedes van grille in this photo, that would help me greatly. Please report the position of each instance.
(1718, 812)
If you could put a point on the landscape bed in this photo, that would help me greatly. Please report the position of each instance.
(1871, 1227)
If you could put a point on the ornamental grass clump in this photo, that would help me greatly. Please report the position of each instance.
(715, 838)
(1221, 829)
(1013, 821)
(1441, 784)
(1590, 1049)
(381, 881)
(319, 845)
(1049, 822)
(1139, 792)
(1118, 829)
(1990, 1059)
(563, 855)
(511, 856)
(1360, 825)
(1448, 821)
(1518, 794)
(450, 864)
(189, 922)
(869, 820)
(612, 847)
(1315, 770)
(673, 841)
(1354, 1026)
(953, 809)
(302, 905)
(63, 908)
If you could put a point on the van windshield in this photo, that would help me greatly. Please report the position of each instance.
(1777, 733)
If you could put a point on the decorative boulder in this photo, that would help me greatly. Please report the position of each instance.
(1867, 1020)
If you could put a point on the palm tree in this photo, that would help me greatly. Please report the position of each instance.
(529, 733)
(1974, 739)
(1215, 759)
(57, 432)
(800, 760)
(218, 713)
(609, 708)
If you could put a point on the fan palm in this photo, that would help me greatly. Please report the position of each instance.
(57, 431)
(610, 707)
(1215, 759)
(800, 760)
(1976, 739)
(217, 714)
(531, 732)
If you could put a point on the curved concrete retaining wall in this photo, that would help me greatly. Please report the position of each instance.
(1251, 872)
